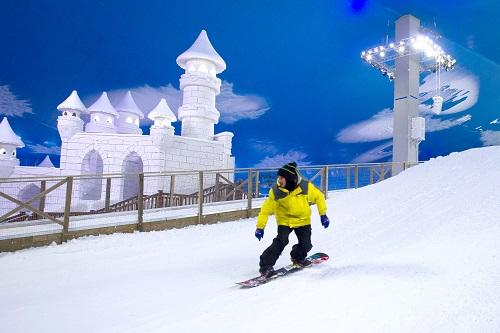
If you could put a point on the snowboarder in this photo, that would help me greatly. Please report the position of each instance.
(289, 199)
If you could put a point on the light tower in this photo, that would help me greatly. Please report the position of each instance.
(414, 51)
(199, 86)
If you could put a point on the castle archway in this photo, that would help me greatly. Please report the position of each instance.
(91, 189)
(28, 192)
(131, 168)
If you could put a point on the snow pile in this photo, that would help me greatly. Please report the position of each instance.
(419, 252)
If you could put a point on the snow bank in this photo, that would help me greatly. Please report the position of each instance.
(415, 253)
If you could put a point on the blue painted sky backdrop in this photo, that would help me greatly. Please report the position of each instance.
(295, 87)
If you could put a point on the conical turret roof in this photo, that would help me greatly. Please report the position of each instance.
(7, 135)
(202, 49)
(162, 111)
(73, 102)
(46, 163)
(127, 104)
(103, 105)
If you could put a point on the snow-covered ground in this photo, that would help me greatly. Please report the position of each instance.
(419, 252)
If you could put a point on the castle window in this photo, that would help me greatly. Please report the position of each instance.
(129, 120)
(74, 114)
(14, 153)
(109, 120)
(65, 113)
(203, 68)
(3, 151)
(96, 119)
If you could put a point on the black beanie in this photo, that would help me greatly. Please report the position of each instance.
(290, 173)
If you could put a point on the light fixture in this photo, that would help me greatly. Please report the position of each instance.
(431, 55)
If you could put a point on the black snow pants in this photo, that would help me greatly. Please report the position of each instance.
(299, 250)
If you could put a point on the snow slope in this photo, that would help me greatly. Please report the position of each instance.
(419, 252)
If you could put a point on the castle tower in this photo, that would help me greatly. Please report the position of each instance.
(129, 115)
(102, 116)
(9, 141)
(199, 86)
(69, 122)
(162, 116)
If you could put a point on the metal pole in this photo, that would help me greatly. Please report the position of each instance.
(356, 176)
(371, 175)
(140, 203)
(249, 192)
(257, 183)
(348, 176)
(325, 181)
(200, 197)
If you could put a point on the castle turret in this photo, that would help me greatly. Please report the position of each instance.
(102, 116)
(129, 115)
(162, 116)
(46, 163)
(199, 86)
(69, 122)
(9, 141)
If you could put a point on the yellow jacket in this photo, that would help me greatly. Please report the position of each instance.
(292, 209)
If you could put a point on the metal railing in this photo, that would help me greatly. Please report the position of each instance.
(65, 201)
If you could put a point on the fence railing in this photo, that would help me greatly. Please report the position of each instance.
(60, 200)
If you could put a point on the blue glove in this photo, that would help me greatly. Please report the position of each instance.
(325, 222)
(259, 233)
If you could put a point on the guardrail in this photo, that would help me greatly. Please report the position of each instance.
(69, 206)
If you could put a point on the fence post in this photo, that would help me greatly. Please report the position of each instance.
(159, 202)
(200, 197)
(172, 187)
(67, 207)
(257, 183)
(108, 194)
(325, 181)
(404, 166)
(356, 176)
(140, 202)
(249, 192)
(382, 172)
(348, 177)
(217, 187)
(41, 204)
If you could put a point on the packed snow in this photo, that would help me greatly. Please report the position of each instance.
(419, 252)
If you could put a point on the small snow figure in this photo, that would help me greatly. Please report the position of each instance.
(289, 199)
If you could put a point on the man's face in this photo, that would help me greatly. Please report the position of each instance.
(281, 181)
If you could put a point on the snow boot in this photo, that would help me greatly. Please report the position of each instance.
(302, 263)
(267, 271)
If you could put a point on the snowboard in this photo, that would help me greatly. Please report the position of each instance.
(315, 259)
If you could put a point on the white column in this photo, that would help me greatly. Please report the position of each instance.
(406, 94)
